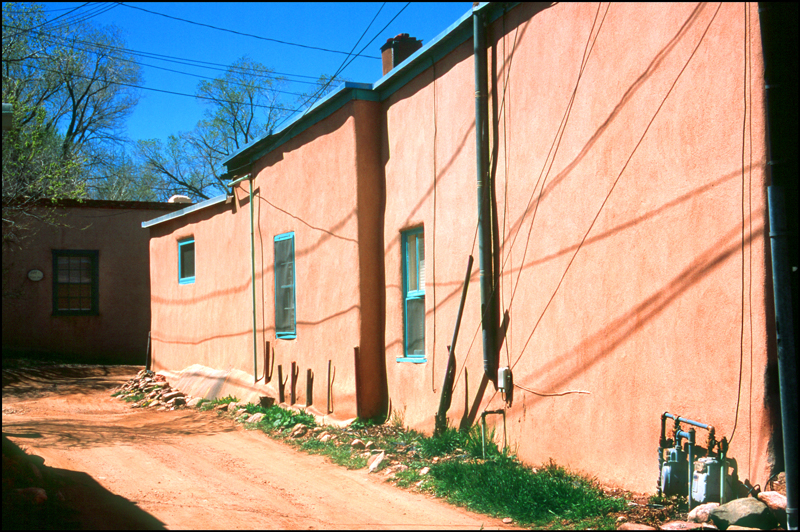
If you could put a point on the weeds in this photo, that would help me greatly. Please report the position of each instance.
(133, 397)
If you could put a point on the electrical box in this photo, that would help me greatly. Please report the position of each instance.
(504, 380)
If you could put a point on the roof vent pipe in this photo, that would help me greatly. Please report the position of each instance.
(397, 49)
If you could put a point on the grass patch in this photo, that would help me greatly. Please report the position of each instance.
(342, 455)
(208, 405)
(503, 487)
(133, 397)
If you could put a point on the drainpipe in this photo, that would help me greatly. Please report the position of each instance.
(779, 46)
(488, 314)
(249, 178)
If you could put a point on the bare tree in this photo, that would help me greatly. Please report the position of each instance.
(242, 107)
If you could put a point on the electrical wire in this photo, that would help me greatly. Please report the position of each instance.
(344, 65)
(744, 184)
(542, 394)
(619, 176)
(242, 33)
(119, 58)
(168, 92)
(56, 39)
(45, 23)
(561, 127)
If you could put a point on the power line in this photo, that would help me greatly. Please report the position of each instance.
(119, 58)
(56, 39)
(319, 93)
(242, 33)
(170, 92)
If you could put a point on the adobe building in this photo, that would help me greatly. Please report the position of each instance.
(621, 262)
(79, 287)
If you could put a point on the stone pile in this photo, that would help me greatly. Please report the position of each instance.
(765, 512)
(156, 392)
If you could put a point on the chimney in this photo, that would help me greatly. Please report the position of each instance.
(398, 49)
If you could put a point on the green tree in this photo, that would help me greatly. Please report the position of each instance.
(72, 81)
(242, 106)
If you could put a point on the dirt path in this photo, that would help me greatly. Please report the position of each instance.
(187, 469)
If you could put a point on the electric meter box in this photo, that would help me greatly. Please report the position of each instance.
(504, 379)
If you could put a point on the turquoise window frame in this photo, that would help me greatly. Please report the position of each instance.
(181, 244)
(411, 295)
(286, 334)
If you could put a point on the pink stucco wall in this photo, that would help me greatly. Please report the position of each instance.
(631, 219)
(627, 150)
(323, 187)
(118, 334)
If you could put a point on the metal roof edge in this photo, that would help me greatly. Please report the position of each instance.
(183, 212)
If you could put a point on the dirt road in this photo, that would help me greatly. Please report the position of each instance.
(138, 468)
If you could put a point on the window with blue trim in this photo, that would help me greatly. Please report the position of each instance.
(186, 261)
(285, 312)
(413, 250)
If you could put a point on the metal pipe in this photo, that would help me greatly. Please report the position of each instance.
(779, 47)
(483, 428)
(488, 314)
(328, 396)
(249, 178)
(687, 421)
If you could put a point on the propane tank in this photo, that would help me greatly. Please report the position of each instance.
(673, 472)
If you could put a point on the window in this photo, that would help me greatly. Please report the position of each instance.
(186, 261)
(75, 280)
(285, 312)
(414, 295)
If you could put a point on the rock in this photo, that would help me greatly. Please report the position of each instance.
(369, 445)
(239, 412)
(737, 527)
(507, 520)
(774, 500)
(419, 484)
(255, 418)
(317, 430)
(435, 460)
(748, 512)
(221, 408)
(678, 525)
(177, 401)
(298, 431)
(234, 406)
(424, 471)
(621, 519)
(193, 402)
(171, 395)
(700, 514)
(375, 461)
(36, 472)
(357, 444)
(634, 526)
(36, 496)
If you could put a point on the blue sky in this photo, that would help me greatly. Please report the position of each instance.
(335, 26)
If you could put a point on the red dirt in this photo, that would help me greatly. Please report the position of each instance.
(137, 468)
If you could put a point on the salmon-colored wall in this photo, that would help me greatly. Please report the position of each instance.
(633, 259)
(316, 185)
(627, 150)
(118, 334)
